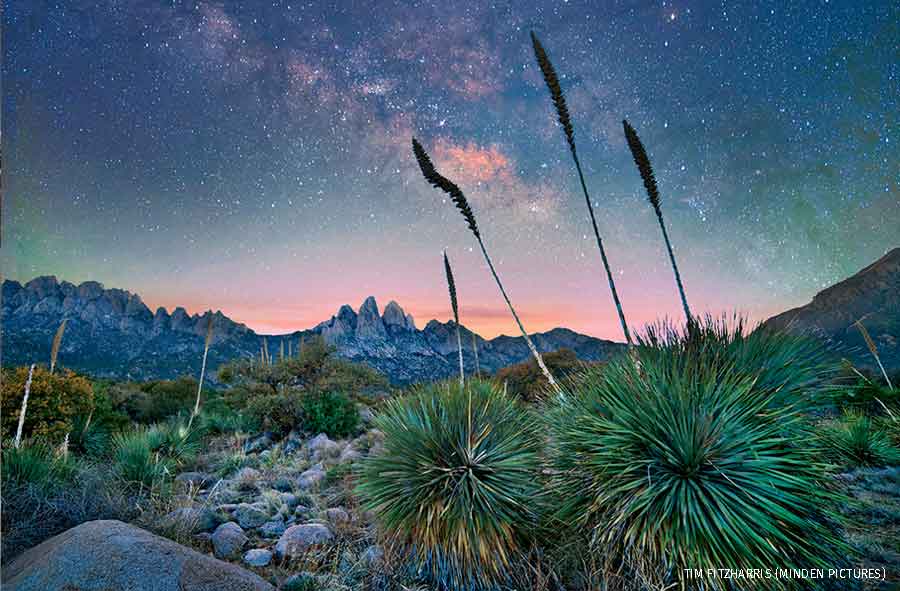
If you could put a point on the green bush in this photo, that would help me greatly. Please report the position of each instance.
(329, 412)
(457, 482)
(278, 412)
(528, 382)
(53, 402)
(288, 394)
(698, 457)
(857, 441)
(157, 400)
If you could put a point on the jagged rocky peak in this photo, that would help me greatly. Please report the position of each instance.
(368, 322)
(395, 316)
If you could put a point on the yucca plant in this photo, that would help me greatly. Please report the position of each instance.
(456, 485)
(35, 464)
(135, 462)
(438, 181)
(856, 441)
(209, 334)
(700, 457)
(562, 113)
(642, 160)
(451, 287)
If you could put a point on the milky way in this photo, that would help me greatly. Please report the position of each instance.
(256, 158)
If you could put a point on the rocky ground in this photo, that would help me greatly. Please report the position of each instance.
(284, 510)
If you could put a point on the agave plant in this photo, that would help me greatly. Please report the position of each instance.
(646, 170)
(455, 486)
(451, 287)
(438, 181)
(565, 120)
(700, 457)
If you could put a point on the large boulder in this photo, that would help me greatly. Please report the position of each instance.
(107, 555)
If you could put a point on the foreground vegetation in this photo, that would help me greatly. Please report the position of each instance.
(713, 447)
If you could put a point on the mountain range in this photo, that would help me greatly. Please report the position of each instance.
(112, 333)
(871, 296)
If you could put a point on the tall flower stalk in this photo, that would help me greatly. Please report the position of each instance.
(456, 195)
(209, 333)
(57, 341)
(873, 350)
(475, 352)
(643, 164)
(562, 112)
(22, 410)
(451, 287)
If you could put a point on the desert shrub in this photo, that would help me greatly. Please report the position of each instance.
(316, 368)
(527, 381)
(107, 415)
(456, 485)
(157, 400)
(54, 401)
(346, 376)
(331, 413)
(278, 412)
(858, 441)
(700, 456)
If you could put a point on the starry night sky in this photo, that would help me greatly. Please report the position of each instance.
(255, 158)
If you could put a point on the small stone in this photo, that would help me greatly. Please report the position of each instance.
(319, 442)
(258, 557)
(311, 478)
(272, 529)
(366, 415)
(250, 516)
(191, 519)
(298, 538)
(228, 540)
(259, 443)
(337, 515)
(303, 512)
(349, 455)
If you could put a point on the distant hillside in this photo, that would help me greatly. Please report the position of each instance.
(112, 333)
(872, 295)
